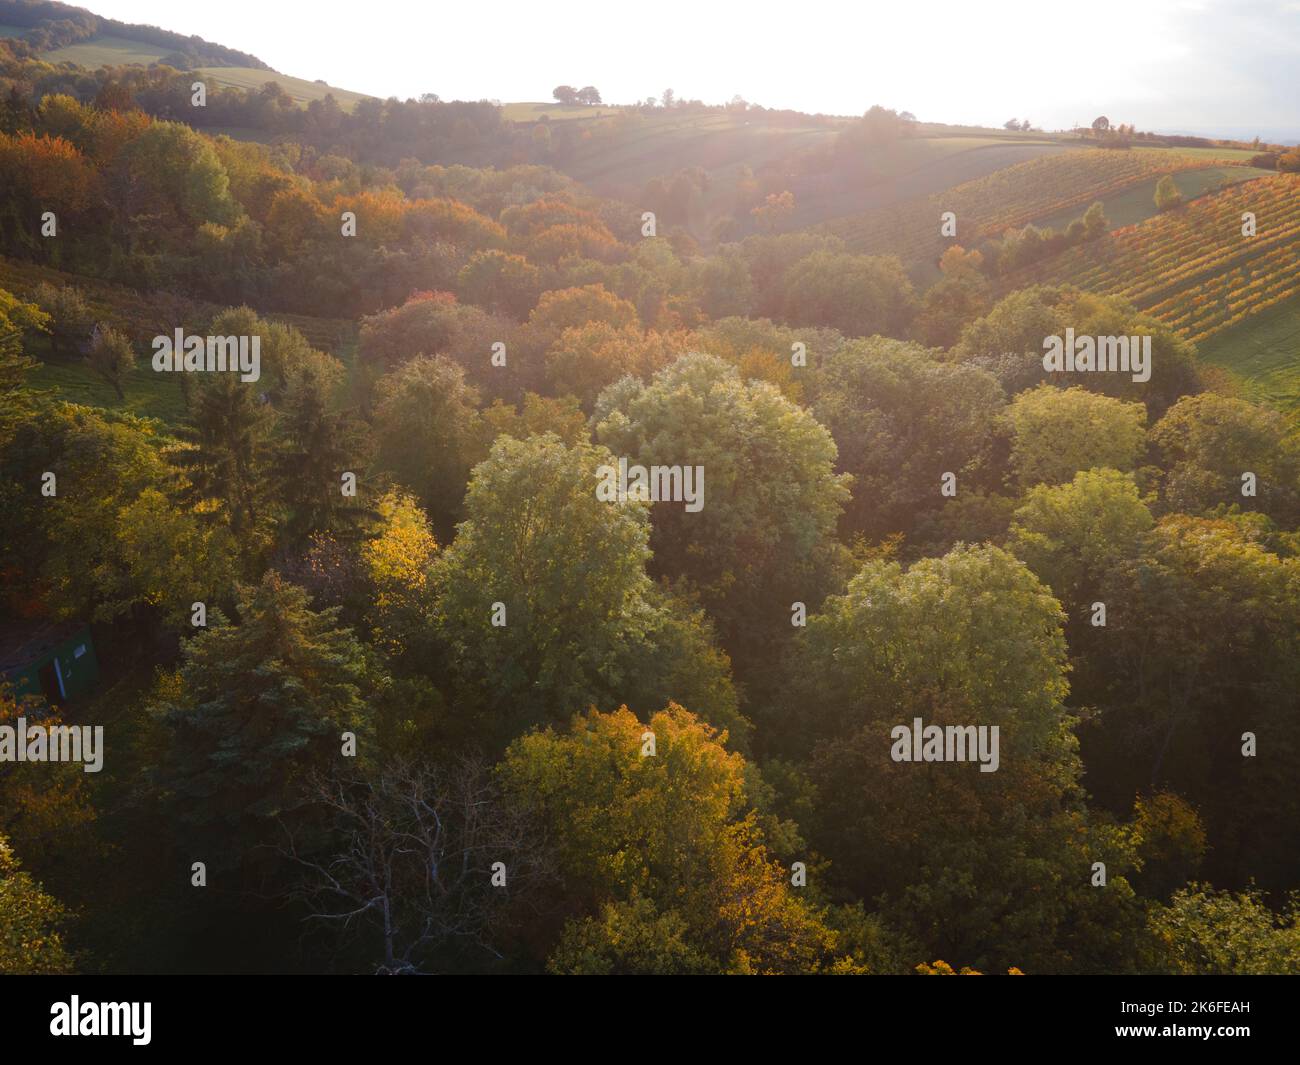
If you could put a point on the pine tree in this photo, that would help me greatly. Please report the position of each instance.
(255, 708)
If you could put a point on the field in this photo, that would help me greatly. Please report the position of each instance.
(913, 168)
(1264, 351)
(106, 51)
(618, 156)
(300, 89)
(140, 314)
(1137, 202)
(148, 394)
(555, 112)
(1192, 267)
(1058, 185)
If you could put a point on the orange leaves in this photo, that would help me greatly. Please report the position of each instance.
(46, 171)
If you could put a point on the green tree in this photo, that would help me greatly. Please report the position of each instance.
(1209, 441)
(580, 623)
(1208, 932)
(860, 295)
(764, 535)
(901, 419)
(1056, 432)
(665, 843)
(316, 443)
(254, 708)
(230, 448)
(31, 940)
(1072, 535)
(16, 318)
(111, 356)
(1201, 647)
(1167, 193)
(429, 433)
(70, 317)
(1010, 341)
(995, 870)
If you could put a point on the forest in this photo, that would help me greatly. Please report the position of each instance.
(608, 557)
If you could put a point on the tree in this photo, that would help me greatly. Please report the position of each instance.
(665, 842)
(764, 533)
(254, 708)
(316, 444)
(396, 562)
(111, 356)
(1011, 123)
(1095, 222)
(588, 358)
(1072, 535)
(410, 884)
(1101, 124)
(31, 940)
(229, 432)
(959, 297)
(1167, 193)
(1200, 646)
(579, 623)
(773, 212)
(1210, 440)
(565, 308)
(70, 318)
(500, 282)
(1056, 432)
(99, 553)
(589, 95)
(565, 94)
(16, 318)
(861, 295)
(429, 433)
(992, 874)
(901, 419)
(1208, 932)
(1010, 341)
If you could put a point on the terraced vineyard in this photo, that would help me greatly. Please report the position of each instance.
(1011, 197)
(1192, 267)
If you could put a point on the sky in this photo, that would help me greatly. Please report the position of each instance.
(1169, 65)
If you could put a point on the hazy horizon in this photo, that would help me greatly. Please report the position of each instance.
(1169, 66)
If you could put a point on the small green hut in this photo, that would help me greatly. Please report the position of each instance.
(51, 658)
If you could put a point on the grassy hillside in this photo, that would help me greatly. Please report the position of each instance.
(555, 112)
(302, 91)
(1137, 202)
(106, 51)
(1264, 351)
(913, 168)
(618, 156)
(141, 315)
